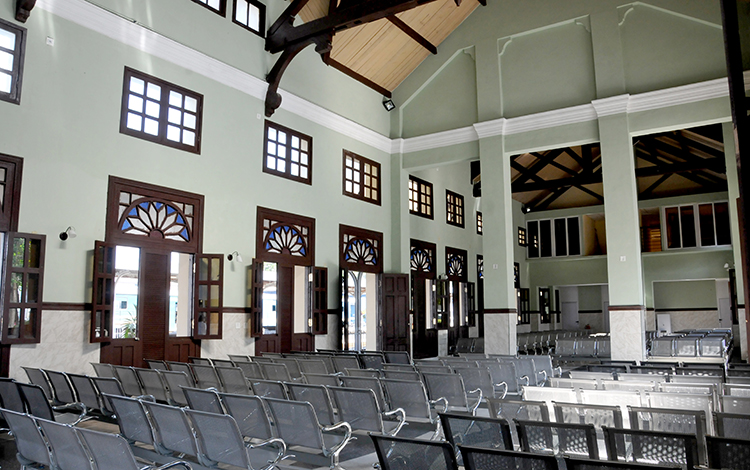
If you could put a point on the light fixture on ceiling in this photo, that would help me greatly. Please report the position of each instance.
(526, 209)
(235, 255)
(388, 104)
(69, 232)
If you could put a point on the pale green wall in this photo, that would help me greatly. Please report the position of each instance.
(685, 294)
(589, 297)
(67, 131)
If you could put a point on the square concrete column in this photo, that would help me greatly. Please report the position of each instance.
(500, 315)
(627, 312)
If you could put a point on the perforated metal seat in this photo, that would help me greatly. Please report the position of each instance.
(37, 405)
(157, 364)
(451, 388)
(66, 449)
(10, 396)
(103, 370)
(233, 380)
(108, 386)
(397, 357)
(360, 408)
(369, 383)
(250, 414)
(297, 424)
(221, 443)
(153, 384)
(38, 377)
(129, 380)
(651, 447)
(172, 429)
(411, 396)
(269, 389)
(112, 452)
(321, 379)
(135, 425)
(251, 370)
(397, 453)
(588, 464)
(673, 421)
(489, 433)
(313, 366)
(317, 396)
(371, 360)
(476, 458)
(175, 380)
(203, 400)
(31, 446)
(558, 438)
(182, 367)
(205, 376)
(725, 453)
(477, 378)
(341, 362)
(732, 425)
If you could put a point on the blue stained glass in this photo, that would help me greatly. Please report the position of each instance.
(268, 246)
(184, 234)
(180, 220)
(170, 209)
(133, 211)
(126, 225)
(302, 250)
(144, 205)
(158, 205)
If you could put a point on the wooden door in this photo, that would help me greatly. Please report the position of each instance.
(425, 334)
(395, 312)
(282, 341)
(154, 298)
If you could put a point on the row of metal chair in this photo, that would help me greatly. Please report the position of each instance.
(714, 344)
(588, 347)
(44, 443)
(633, 450)
(543, 342)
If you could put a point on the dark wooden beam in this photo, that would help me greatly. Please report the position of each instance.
(539, 165)
(738, 100)
(23, 9)
(646, 193)
(523, 170)
(590, 192)
(360, 78)
(697, 167)
(421, 40)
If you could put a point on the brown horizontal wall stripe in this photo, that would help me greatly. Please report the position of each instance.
(490, 311)
(236, 309)
(626, 307)
(707, 309)
(589, 311)
(67, 306)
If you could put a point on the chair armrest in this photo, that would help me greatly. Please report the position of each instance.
(473, 408)
(559, 371)
(274, 441)
(73, 406)
(149, 398)
(401, 419)
(441, 399)
(545, 376)
(505, 391)
(524, 377)
(336, 450)
(180, 463)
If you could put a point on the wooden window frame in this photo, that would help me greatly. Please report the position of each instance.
(524, 315)
(34, 306)
(206, 305)
(545, 317)
(287, 158)
(480, 267)
(262, 254)
(553, 238)
(480, 224)
(19, 54)
(517, 275)
(369, 236)
(164, 111)
(455, 213)
(262, 16)
(364, 162)
(431, 250)
(222, 11)
(423, 209)
(11, 188)
(522, 237)
(696, 226)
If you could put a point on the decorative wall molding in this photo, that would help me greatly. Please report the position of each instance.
(128, 32)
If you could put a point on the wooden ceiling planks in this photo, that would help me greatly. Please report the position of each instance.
(380, 51)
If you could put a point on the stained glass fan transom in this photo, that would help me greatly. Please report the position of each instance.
(155, 218)
(480, 267)
(281, 238)
(361, 250)
(455, 264)
(421, 260)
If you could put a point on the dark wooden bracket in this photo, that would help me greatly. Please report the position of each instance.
(290, 40)
(23, 9)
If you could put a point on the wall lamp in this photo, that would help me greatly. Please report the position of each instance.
(235, 255)
(388, 104)
(69, 232)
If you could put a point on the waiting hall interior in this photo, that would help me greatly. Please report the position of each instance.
(524, 245)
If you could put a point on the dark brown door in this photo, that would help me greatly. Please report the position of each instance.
(425, 334)
(154, 298)
(282, 341)
(395, 312)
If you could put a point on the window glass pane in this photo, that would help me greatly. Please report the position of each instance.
(254, 22)
(175, 99)
(301, 292)
(545, 238)
(153, 91)
(191, 104)
(706, 221)
(35, 251)
(151, 127)
(180, 294)
(203, 269)
(32, 288)
(215, 4)
(5, 82)
(173, 133)
(687, 219)
(213, 323)
(6, 61)
(17, 287)
(14, 320)
(137, 85)
(135, 103)
(214, 302)
(215, 269)
(134, 122)
(188, 120)
(269, 298)
(127, 267)
(672, 223)
(533, 240)
(152, 108)
(574, 242)
(29, 322)
(561, 238)
(7, 39)
(188, 138)
(723, 233)
(19, 247)
(240, 11)
(174, 116)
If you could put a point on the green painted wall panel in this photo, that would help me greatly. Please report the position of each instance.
(685, 294)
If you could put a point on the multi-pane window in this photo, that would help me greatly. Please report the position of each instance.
(696, 225)
(12, 46)
(420, 197)
(217, 6)
(161, 112)
(361, 178)
(288, 153)
(479, 223)
(454, 212)
(554, 237)
(522, 240)
(250, 15)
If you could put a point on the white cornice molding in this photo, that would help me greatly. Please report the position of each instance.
(548, 119)
(490, 128)
(611, 106)
(139, 37)
(132, 34)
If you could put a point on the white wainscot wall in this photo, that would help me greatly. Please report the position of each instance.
(64, 346)
(235, 339)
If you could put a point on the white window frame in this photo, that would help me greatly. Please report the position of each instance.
(551, 220)
(696, 224)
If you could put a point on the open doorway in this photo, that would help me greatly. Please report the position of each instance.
(360, 330)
